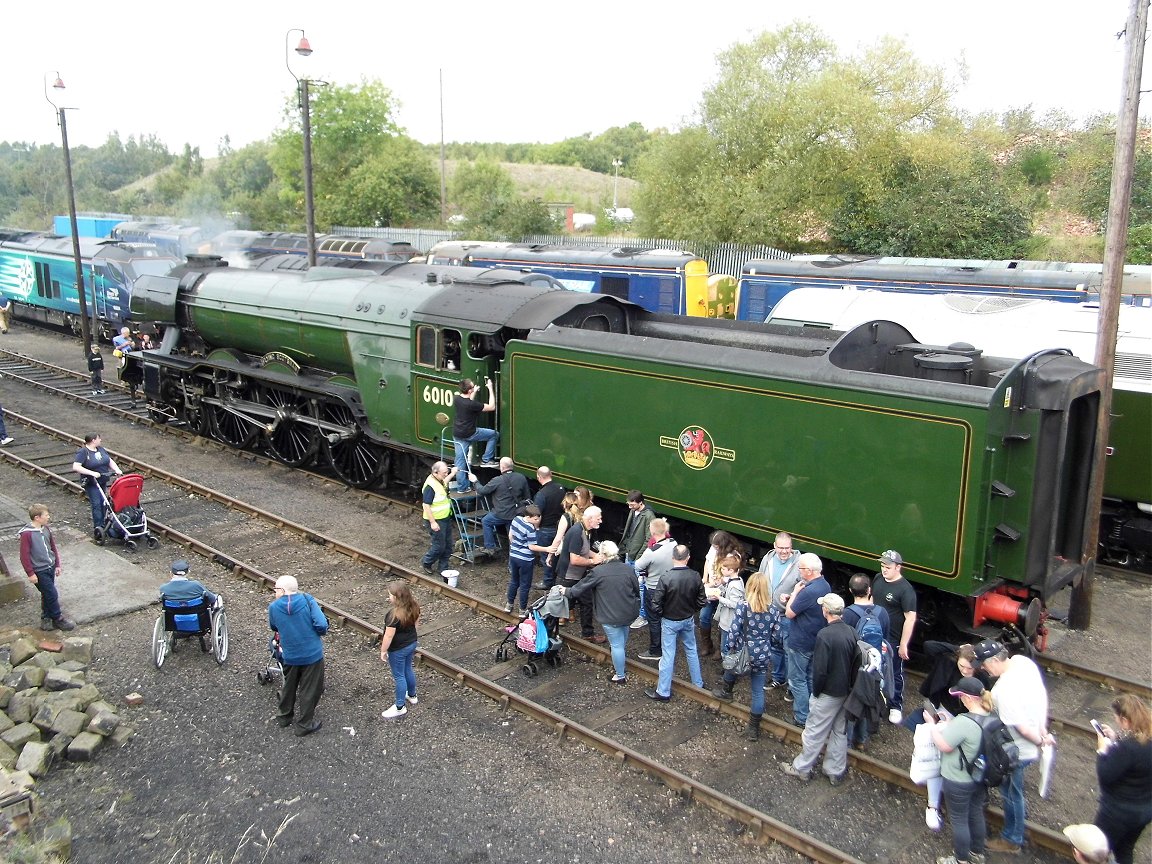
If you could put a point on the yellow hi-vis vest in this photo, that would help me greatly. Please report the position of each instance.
(441, 506)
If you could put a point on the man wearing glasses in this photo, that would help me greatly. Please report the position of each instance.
(780, 568)
(807, 619)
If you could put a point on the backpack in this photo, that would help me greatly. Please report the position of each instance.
(869, 631)
(998, 756)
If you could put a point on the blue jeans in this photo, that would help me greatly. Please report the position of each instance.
(439, 554)
(799, 667)
(3, 428)
(724, 643)
(779, 655)
(1012, 795)
(706, 615)
(966, 816)
(643, 598)
(96, 500)
(491, 522)
(544, 537)
(897, 678)
(400, 662)
(756, 679)
(490, 437)
(521, 580)
(49, 599)
(672, 632)
(618, 642)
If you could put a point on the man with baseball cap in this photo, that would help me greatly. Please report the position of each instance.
(1021, 701)
(182, 589)
(833, 662)
(1089, 845)
(896, 596)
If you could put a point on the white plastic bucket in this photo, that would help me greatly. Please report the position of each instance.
(452, 577)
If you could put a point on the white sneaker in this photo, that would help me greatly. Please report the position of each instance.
(638, 623)
(932, 819)
(508, 607)
(894, 716)
(392, 711)
(413, 700)
(7, 440)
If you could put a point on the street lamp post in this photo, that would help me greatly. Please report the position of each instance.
(617, 164)
(85, 332)
(304, 50)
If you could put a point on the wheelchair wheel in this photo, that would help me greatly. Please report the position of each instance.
(159, 643)
(220, 636)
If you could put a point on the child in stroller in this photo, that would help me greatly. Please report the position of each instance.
(537, 633)
(124, 518)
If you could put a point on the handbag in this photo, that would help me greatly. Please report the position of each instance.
(925, 756)
(738, 662)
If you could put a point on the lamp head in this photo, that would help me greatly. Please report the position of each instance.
(303, 49)
(58, 84)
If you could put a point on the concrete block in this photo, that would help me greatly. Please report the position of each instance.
(44, 659)
(59, 745)
(24, 678)
(21, 649)
(11, 589)
(22, 705)
(35, 758)
(104, 723)
(45, 716)
(5, 694)
(19, 735)
(98, 706)
(78, 648)
(57, 838)
(84, 746)
(21, 780)
(122, 734)
(7, 757)
(73, 666)
(86, 695)
(61, 679)
(70, 723)
(6, 722)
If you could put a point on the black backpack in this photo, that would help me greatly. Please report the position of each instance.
(998, 756)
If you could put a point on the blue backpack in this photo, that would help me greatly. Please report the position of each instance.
(868, 630)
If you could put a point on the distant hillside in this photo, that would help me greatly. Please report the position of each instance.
(554, 184)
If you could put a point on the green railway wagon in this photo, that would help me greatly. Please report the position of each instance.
(852, 447)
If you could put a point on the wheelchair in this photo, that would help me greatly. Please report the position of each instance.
(183, 619)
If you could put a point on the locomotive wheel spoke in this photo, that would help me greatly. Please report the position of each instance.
(355, 460)
(231, 428)
(291, 442)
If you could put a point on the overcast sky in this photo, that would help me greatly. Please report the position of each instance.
(512, 71)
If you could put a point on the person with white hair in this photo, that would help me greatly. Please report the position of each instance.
(1089, 845)
(297, 618)
(615, 602)
(803, 610)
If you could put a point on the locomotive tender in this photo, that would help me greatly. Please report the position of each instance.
(976, 468)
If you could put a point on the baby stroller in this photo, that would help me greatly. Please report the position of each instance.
(537, 634)
(274, 671)
(124, 518)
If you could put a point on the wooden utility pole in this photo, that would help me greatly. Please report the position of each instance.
(1115, 248)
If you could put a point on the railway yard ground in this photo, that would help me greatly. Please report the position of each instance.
(208, 776)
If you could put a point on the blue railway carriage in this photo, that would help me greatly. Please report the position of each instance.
(763, 283)
(170, 238)
(241, 248)
(38, 274)
(659, 280)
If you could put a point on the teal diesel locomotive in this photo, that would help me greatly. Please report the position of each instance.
(976, 468)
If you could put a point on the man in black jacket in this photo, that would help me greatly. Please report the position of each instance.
(833, 667)
(509, 492)
(676, 599)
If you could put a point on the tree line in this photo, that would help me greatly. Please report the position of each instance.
(794, 145)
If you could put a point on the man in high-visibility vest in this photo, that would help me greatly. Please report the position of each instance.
(437, 512)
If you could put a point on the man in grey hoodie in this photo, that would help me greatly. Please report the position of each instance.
(41, 562)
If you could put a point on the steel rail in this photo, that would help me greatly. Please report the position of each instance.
(778, 728)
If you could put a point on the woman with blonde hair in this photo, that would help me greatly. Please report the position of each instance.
(751, 626)
(1124, 771)
(569, 517)
(398, 646)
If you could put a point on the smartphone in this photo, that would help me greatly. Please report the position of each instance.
(1096, 725)
(930, 708)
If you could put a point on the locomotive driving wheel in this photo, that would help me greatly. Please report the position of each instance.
(228, 426)
(357, 461)
(291, 441)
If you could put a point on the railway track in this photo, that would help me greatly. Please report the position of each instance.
(459, 639)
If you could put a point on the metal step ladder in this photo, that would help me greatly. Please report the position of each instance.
(468, 509)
